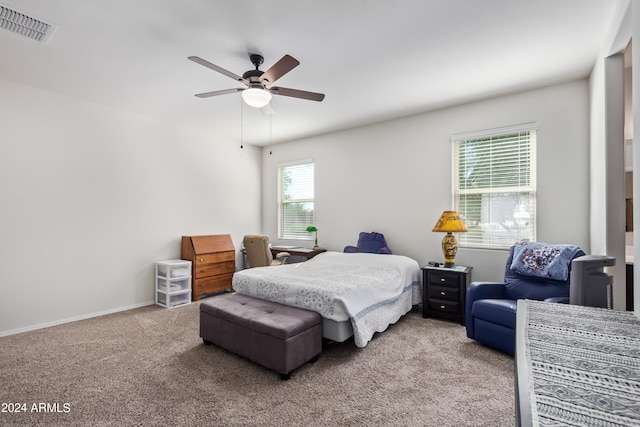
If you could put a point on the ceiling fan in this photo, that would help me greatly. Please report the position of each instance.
(260, 83)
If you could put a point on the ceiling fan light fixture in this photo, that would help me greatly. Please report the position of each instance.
(255, 97)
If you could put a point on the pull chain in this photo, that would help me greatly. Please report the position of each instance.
(241, 123)
(270, 131)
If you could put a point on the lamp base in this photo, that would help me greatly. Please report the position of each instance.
(449, 249)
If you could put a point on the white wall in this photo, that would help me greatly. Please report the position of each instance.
(614, 225)
(91, 197)
(395, 177)
(598, 205)
(607, 152)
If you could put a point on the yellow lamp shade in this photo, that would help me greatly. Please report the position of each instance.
(450, 222)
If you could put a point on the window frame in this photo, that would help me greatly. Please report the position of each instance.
(284, 229)
(495, 234)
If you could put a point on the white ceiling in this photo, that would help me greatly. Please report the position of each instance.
(374, 59)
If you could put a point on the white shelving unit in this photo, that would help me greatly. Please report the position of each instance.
(173, 283)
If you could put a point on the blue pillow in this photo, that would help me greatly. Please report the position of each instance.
(373, 243)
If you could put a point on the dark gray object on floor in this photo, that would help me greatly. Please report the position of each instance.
(276, 336)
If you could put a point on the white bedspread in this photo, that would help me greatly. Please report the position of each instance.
(371, 290)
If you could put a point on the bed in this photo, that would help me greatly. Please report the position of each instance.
(357, 294)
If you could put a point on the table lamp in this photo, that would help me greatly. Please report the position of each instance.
(314, 229)
(449, 223)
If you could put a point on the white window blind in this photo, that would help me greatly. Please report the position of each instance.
(296, 199)
(494, 186)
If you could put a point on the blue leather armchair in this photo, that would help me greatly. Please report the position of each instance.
(491, 307)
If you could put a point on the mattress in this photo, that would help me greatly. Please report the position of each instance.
(370, 291)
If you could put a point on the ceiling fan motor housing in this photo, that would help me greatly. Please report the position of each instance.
(252, 75)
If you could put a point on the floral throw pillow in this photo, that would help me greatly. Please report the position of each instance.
(543, 260)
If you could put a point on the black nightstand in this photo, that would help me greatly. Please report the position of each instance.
(444, 292)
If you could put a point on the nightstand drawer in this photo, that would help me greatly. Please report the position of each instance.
(443, 306)
(444, 292)
(444, 278)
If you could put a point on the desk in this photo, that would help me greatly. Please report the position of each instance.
(307, 253)
(576, 365)
(297, 251)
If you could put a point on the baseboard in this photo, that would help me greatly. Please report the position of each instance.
(73, 319)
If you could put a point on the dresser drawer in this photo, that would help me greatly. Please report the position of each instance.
(206, 270)
(444, 292)
(443, 306)
(444, 278)
(214, 258)
(211, 284)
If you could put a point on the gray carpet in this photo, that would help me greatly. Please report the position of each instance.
(149, 367)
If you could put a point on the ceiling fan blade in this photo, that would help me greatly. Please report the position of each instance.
(279, 69)
(218, 92)
(295, 93)
(218, 69)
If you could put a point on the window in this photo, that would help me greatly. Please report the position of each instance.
(494, 186)
(295, 194)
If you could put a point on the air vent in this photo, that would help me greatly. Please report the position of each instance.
(25, 25)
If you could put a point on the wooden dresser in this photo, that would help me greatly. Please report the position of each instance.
(213, 260)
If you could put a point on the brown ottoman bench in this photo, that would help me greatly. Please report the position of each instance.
(276, 336)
